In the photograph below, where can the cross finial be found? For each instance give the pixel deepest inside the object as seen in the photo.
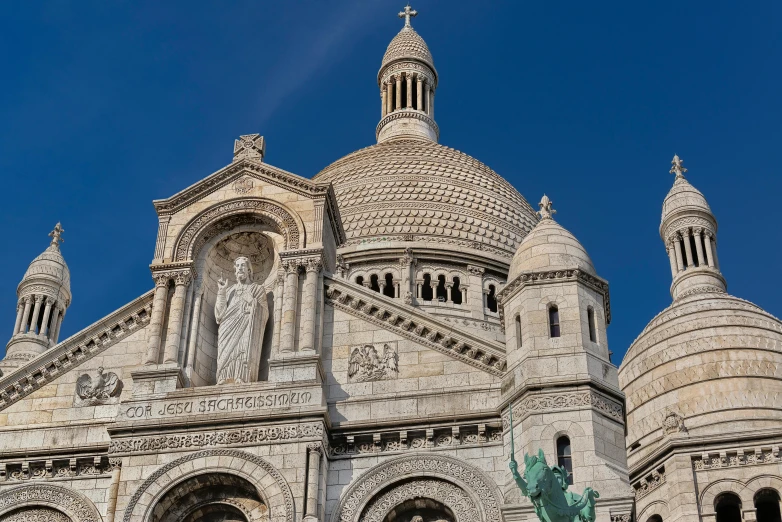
(56, 236)
(407, 14)
(677, 167)
(545, 205)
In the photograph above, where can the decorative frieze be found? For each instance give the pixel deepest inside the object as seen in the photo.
(649, 483)
(536, 404)
(237, 437)
(73, 504)
(88, 467)
(735, 458)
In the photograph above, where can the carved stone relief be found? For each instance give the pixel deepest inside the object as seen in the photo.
(367, 364)
(99, 388)
(450, 495)
(35, 514)
(75, 506)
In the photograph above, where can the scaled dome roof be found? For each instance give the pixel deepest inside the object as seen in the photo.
(407, 44)
(50, 266)
(549, 247)
(421, 188)
(683, 196)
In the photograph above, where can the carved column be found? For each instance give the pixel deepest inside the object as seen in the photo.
(36, 311)
(449, 290)
(156, 321)
(677, 247)
(431, 102)
(191, 346)
(418, 286)
(383, 100)
(55, 321)
(699, 245)
(277, 317)
(709, 252)
(714, 252)
(287, 332)
(28, 301)
(398, 80)
(19, 315)
(174, 334)
(390, 95)
(688, 249)
(672, 257)
(116, 466)
(46, 313)
(56, 335)
(315, 451)
(307, 334)
(419, 102)
(409, 78)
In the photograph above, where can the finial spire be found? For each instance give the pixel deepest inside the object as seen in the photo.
(56, 236)
(407, 14)
(546, 212)
(677, 167)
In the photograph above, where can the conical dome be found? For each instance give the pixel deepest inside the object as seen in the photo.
(683, 197)
(51, 267)
(406, 45)
(549, 246)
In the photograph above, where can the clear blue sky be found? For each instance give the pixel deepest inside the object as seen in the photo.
(106, 106)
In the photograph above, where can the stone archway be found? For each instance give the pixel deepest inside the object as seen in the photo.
(465, 490)
(58, 502)
(274, 498)
(234, 213)
(430, 498)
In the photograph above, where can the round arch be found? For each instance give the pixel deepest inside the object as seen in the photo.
(74, 505)
(395, 474)
(226, 215)
(269, 483)
(658, 507)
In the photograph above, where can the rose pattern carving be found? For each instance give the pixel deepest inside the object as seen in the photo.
(444, 492)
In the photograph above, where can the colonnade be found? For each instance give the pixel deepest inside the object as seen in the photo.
(29, 312)
(681, 254)
(418, 89)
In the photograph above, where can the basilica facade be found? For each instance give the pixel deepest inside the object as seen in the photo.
(350, 348)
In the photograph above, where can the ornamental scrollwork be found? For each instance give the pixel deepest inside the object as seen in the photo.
(450, 495)
(73, 504)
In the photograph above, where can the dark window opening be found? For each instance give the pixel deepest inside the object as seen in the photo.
(728, 508)
(426, 289)
(655, 518)
(442, 293)
(360, 280)
(694, 250)
(389, 290)
(702, 239)
(404, 92)
(518, 331)
(456, 292)
(565, 458)
(767, 505)
(591, 321)
(491, 299)
(373, 283)
(553, 321)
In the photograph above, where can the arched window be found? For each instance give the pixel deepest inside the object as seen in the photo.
(518, 330)
(767, 505)
(373, 283)
(491, 299)
(426, 289)
(553, 321)
(655, 518)
(456, 291)
(591, 321)
(360, 280)
(728, 507)
(564, 457)
(442, 293)
(389, 290)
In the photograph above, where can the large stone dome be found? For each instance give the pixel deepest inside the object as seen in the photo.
(708, 364)
(418, 190)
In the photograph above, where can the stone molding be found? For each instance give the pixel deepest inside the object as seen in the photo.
(206, 224)
(649, 483)
(75, 505)
(80, 347)
(466, 243)
(399, 114)
(471, 480)
(416, 325)
(736, 457)
(544, 403)
(453, 497)
(237, 437)
(135, 511)
(68, 468)
(407, 67)
(524, 279)
(36, 514)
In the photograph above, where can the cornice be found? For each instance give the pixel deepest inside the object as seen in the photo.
(416, 325)
(75, 350)
(408, 113)
(213, 182)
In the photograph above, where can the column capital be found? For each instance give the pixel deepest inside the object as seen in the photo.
(697, 230)
(161, 279)
(50, 301)
(476, 270)
(39, 298)
(315, 447)
(314, 264)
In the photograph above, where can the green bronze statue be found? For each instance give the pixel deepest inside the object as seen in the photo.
(547, 486)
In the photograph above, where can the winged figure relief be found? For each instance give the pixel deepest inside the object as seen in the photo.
(365, 364)
(98, 387)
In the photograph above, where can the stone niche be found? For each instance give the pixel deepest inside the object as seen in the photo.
(261, 245)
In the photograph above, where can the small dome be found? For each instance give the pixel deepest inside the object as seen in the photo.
(549, 247)
(51, 266)
(683, 196)
(408, 44)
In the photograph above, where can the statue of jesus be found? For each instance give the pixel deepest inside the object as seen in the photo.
(241, 312)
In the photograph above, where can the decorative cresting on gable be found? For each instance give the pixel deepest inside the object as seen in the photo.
(78, 348)
(75, 505)
(416, 325)
(227, 215)
(277, 496)
(555, 276)
(473, 482)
